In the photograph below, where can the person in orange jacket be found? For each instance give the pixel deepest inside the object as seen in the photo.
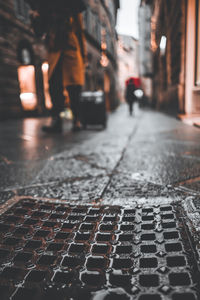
(67, 56)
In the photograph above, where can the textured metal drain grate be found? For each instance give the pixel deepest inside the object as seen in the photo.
(56, 251)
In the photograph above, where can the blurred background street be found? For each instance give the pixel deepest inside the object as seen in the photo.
(148, 148)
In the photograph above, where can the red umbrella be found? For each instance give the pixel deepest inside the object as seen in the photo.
(134, 80)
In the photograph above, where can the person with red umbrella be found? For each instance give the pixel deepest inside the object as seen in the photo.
(61, 23)
(129, 94)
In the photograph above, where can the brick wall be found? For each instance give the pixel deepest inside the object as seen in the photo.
(14, 31)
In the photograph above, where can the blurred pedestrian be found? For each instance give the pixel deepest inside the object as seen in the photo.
(129, 94)
(65, 43)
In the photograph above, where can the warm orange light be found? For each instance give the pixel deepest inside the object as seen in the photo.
(26, 77)
(45, 68)
(154, 45)
(103, 46)
(104, 60)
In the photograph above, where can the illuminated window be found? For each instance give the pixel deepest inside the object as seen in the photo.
(26, 77)
(198, 46)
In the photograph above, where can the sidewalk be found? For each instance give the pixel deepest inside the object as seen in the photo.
(150, 146)
(192, 119)
(100, 214)
(31, 158)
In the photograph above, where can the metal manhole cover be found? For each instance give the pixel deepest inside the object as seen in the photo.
(57, 251)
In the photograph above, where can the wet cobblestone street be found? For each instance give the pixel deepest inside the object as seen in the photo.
(101, 215)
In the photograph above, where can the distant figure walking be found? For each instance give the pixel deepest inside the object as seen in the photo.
(130, 96)
(66, 58)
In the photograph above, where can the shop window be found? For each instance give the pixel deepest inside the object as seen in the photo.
(198, 46)
(22, 10)
(26, 77)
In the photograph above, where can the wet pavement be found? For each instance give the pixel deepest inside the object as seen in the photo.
(141, 179)
(64, 166)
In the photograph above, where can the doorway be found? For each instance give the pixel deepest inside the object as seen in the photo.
(28, 96)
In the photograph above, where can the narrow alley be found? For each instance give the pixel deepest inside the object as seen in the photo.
(99, 150)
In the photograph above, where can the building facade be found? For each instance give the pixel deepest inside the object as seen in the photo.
(168, 39)
(101, 73)
(175, 45)
(23, 66)
(145, 50)
(192, 78)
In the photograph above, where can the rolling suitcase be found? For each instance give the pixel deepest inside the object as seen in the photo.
(93, 108)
